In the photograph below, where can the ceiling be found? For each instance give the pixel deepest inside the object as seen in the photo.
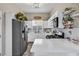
(44, 7)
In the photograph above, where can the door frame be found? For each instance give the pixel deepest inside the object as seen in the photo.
(2, 31)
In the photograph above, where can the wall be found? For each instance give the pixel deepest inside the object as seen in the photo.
(76, 22)
(3, 33)
(10, 10)
(6, 7)
(8, 48)
(0, 32)
(62, 6)
(75, 33)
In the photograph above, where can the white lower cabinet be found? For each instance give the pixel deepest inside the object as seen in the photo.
(32, 36)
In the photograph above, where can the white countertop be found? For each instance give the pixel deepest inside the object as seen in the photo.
(54, 47)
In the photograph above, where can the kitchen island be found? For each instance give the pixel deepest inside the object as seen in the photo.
(54, 47)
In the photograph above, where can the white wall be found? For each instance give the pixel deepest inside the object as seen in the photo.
(10, 10)
(75, 33)
(76, 22)
(62, 6)
(6, 7)
(9, 17)
(0, 32)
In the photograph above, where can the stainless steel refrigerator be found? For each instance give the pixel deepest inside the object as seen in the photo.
(19, 38)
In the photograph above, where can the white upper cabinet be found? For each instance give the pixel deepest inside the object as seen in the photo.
(50, 20)
(29, 24)
(60, 20)
(45, 24)
(58, 14)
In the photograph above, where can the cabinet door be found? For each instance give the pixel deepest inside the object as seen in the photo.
(50, 24)
(29, 24)
(45, 24)
(60, 18)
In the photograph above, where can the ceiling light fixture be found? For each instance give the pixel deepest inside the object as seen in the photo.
(36, 5)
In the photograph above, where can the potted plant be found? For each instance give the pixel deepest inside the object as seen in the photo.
(20, 16)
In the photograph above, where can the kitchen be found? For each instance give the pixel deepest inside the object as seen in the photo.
(56, 31)
(48, 29)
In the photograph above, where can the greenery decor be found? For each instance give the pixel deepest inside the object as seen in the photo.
(67, 9)
(68, 15)
(20, 16)
(69, 18)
